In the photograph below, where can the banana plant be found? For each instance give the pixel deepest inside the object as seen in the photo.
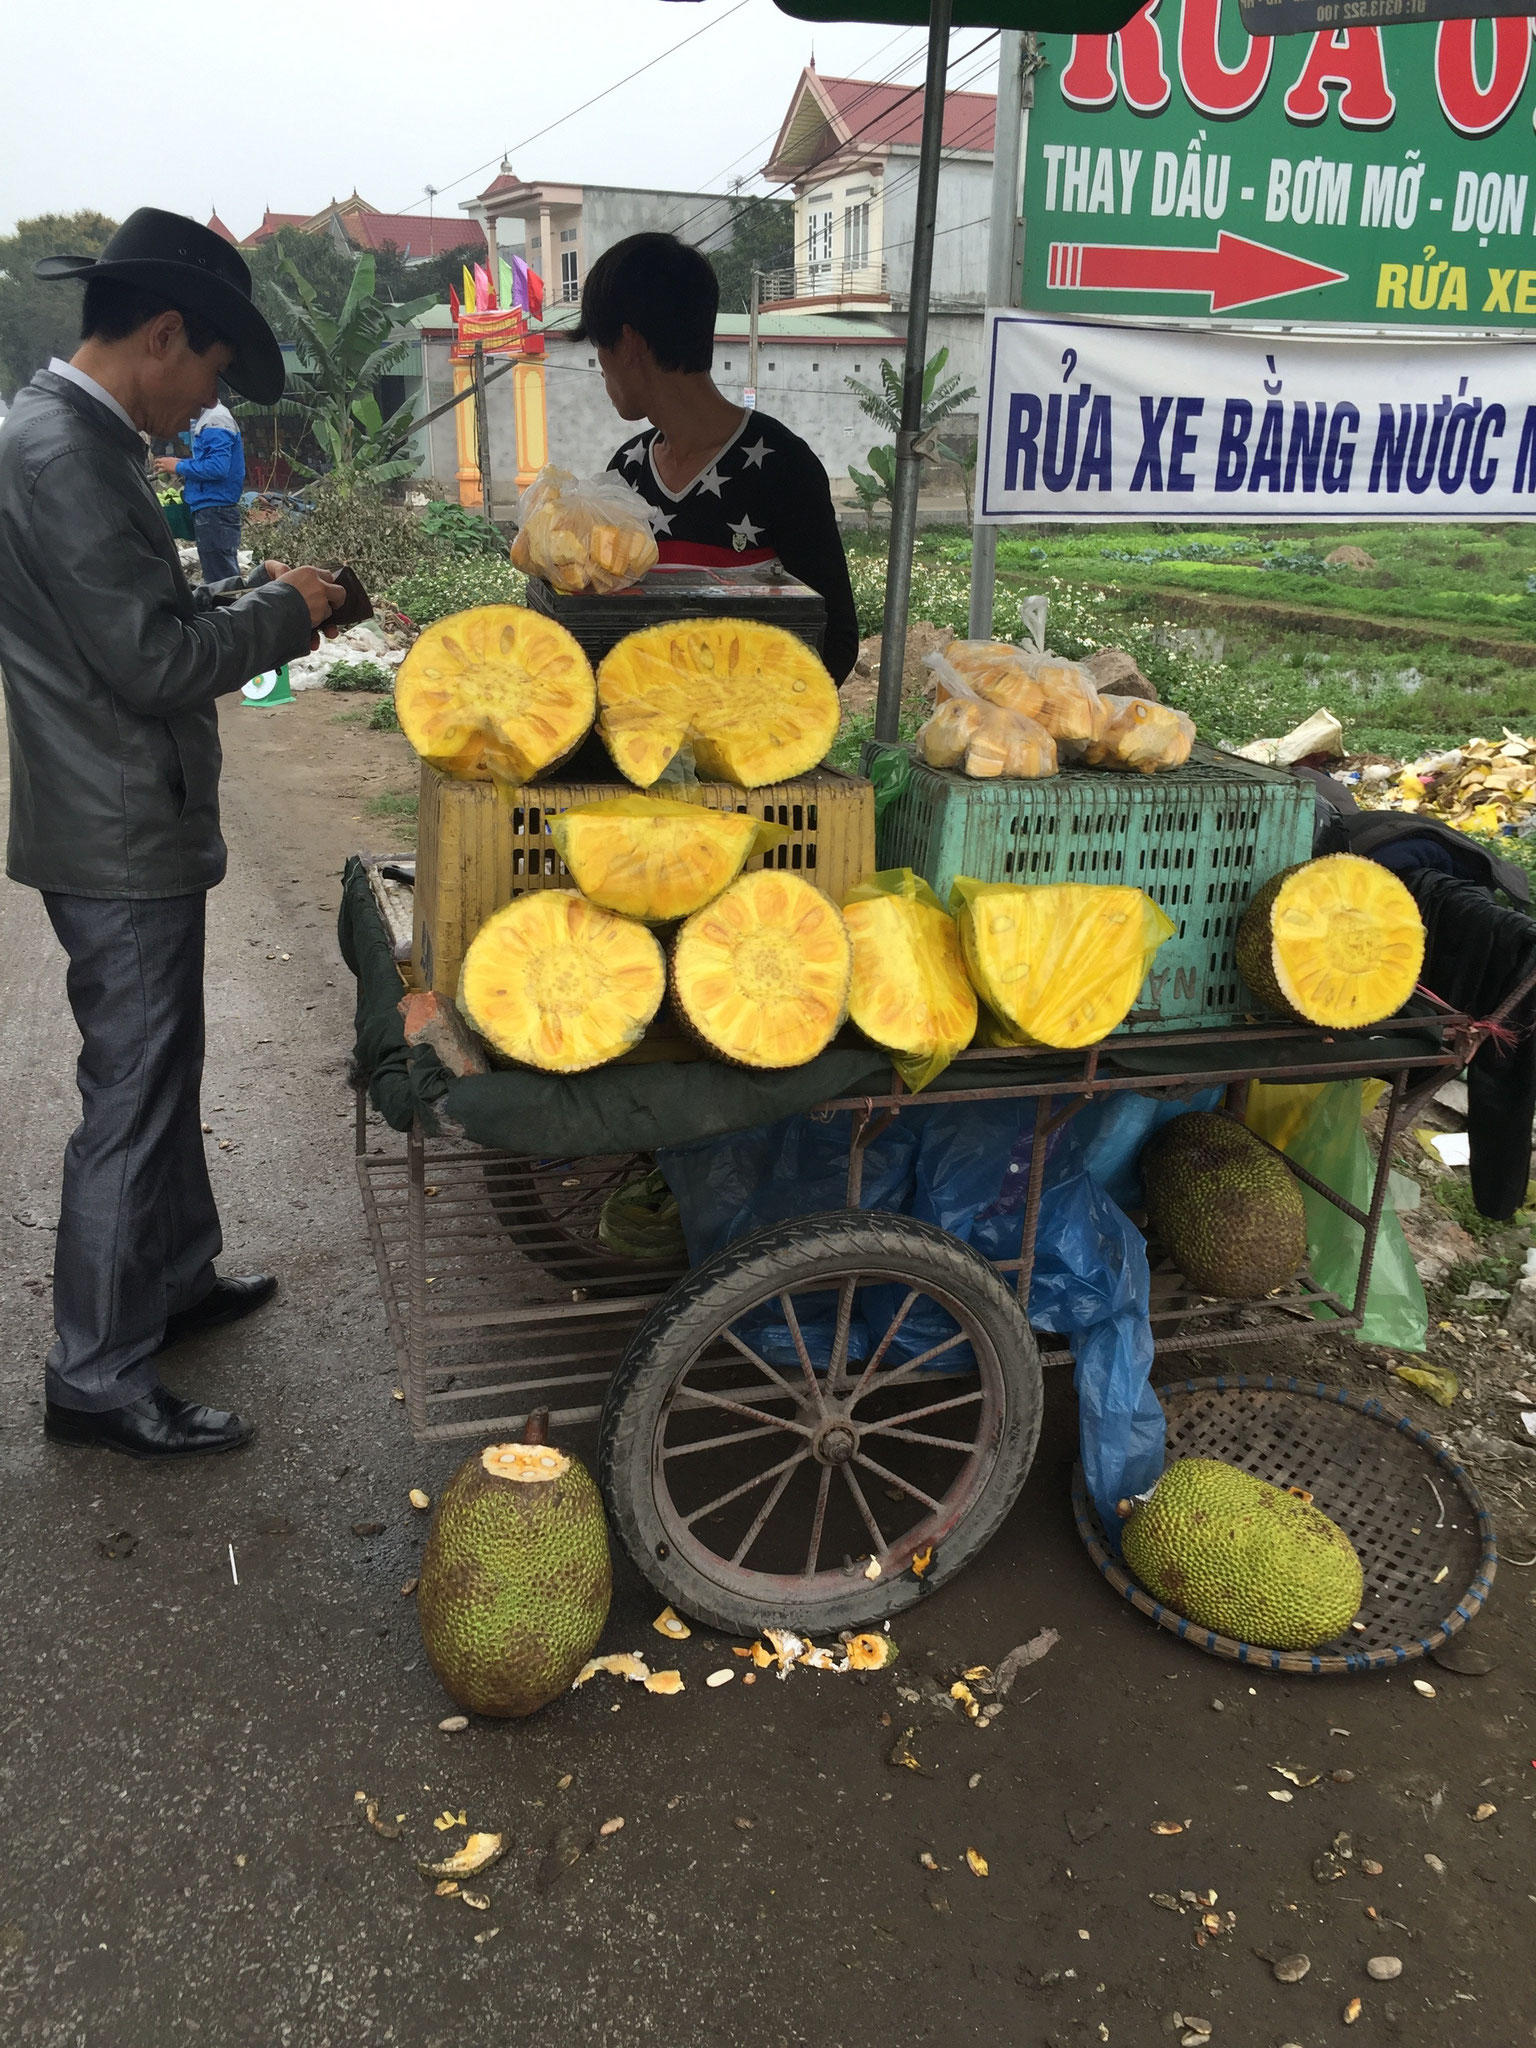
(876, 485)
(341, 360)
(939, 399)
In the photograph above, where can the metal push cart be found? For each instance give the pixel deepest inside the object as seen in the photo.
(833, 1415)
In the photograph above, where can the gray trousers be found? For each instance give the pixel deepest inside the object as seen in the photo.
(138, 1226)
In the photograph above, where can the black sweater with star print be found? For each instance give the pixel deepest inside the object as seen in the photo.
(765, 495)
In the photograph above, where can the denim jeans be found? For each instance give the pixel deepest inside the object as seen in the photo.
(218, 536)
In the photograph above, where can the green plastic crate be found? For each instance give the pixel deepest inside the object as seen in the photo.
(1201, 840)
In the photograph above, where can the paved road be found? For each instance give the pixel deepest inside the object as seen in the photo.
(183, 1859)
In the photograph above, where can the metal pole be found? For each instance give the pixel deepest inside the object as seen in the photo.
(1002, 261)
(757, 286)
(898, 575)
(483, 433)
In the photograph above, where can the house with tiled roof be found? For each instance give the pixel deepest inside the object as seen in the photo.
(354, 225)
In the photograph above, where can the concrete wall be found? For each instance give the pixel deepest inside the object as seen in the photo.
(610, 212)
(962, 230)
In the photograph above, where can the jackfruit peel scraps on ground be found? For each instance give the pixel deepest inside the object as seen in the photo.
(1438, 1382)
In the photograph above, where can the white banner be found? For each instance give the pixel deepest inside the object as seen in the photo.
(1086, 421)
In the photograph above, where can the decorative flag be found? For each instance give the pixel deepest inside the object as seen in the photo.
(485, 291)
(469, 291)
(528, 289)
(453, 305)
(507, 290)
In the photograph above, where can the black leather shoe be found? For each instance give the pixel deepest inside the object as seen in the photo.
(225, 1302)
(157, 1425)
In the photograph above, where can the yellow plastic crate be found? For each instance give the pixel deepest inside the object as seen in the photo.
(475, 850)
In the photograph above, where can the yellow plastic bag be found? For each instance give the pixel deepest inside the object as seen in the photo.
(657, 858)
(589, 536)
(1135, 734)
(1056, 963)
(910, 991)
(1056, 693)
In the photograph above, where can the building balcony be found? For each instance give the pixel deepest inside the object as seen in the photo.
(824, 285)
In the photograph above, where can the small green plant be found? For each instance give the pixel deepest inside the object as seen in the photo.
(357, 675)
(464, 532)
(392, 803)
(433, 591)
(348, 522)
(383, 717)
(875, 485)
(939, 399)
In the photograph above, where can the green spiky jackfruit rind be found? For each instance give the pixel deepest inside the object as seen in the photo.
(1245, 1558)
(514, 1586)
(1226, 1209)
(1255, 947)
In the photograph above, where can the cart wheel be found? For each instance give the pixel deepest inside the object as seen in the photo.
(823, 1395)
(550, 1209)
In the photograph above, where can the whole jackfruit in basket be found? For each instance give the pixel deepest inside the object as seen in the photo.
(983, 741)
(495, 694)
(761, 975)
(657, 858)
(579, 537)
(753, 702)
(1337, 941)
(554, 982)
(1056, 963)
(1135, 734)
(910, 992)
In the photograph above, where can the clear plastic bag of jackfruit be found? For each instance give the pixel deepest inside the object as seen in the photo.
(592, 534)
(982, 740)
(1056, 693)
(1135, 734)
(1055, 963)
(657, 858)
(910, 993)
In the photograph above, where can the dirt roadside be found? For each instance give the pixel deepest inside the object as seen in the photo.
(180, 1753)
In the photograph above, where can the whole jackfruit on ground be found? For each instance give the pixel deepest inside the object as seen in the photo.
(1243, 1557)
(1225, 1208)
(516, 1578)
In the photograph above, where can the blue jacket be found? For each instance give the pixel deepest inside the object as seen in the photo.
(214, 473)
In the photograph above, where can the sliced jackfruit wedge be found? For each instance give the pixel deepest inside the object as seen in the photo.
(1337, 941)
(910, 991)
(1060, 963)
(761, 975)
(556, 983)
(754, 701)
(495, 694)
(653, 857)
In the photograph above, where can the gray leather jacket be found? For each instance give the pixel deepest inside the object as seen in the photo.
(112, 664)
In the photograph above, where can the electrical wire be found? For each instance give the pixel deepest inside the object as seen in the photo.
(607, 91)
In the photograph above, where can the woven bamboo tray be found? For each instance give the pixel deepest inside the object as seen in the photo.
(1368, 1467)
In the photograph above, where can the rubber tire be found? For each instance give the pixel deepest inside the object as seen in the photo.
(766, 1262)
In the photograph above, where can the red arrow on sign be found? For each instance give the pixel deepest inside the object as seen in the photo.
(1236, 272)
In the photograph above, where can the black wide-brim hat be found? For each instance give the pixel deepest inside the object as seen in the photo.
(198, 272)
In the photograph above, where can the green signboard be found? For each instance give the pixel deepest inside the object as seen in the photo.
(1182, 169)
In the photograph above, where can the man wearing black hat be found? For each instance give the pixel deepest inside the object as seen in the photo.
(113, 668)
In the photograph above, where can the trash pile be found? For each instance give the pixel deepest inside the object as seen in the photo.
(1487, 786)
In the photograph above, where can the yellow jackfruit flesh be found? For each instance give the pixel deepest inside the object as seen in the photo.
(1131, 733)
(1337, 942)
(754, 702)
(762, 974)
(910, 991)
(653, 857)
(1057, 963)
(556, 983)
(495, 694)
(1245, 1558)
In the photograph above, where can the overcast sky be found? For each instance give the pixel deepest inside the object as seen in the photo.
(112, 106)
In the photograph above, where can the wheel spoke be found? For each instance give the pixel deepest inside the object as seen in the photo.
(716, 1443)
(920, 1414)
(864, 1508)
(762, 1364)
(884, 1345)
(816, 1525)
(916, 1436)
(840, 1336)
(743, 1548)
(747, 1486)
(895, 1479)
(740, 1408)
(787, 1310)
(912, 1365)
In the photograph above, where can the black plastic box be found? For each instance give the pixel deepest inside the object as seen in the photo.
(758, 593)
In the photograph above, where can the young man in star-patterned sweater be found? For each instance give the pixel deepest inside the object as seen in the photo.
(730, 485)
